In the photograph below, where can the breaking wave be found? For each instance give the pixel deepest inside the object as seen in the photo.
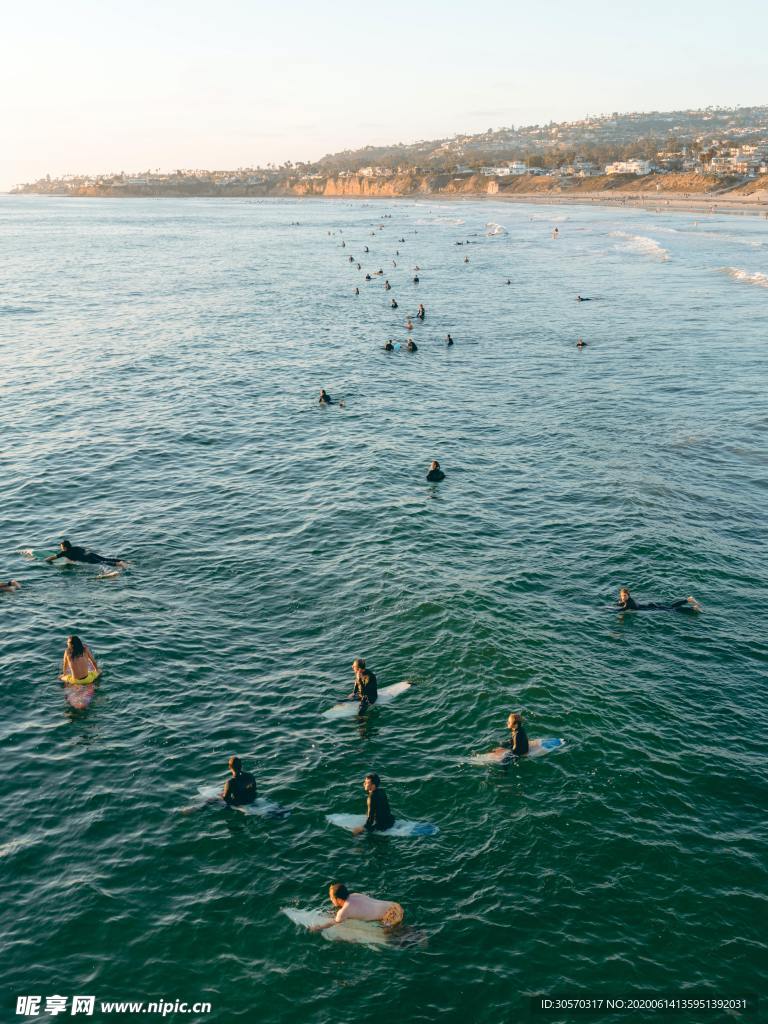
(642, 245)
(495, 229)
(755, 277)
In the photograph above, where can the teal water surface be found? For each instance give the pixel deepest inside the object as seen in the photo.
(161, 362)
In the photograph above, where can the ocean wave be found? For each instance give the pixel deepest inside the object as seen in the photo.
(424, 221)
(754, 277)
(642, 245)
(495, 229)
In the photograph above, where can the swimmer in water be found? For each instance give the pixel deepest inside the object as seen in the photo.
(368, 277)
(357, 291)
(435, 474)
(448, 340)
(10, 585)
(379, 817)
(556, 232)
(355, 906)
(78, 666)
(359, 266)
(581, 343)
(581, 298)
(387, 286)
(366, 689)
(416, 280)
(325, 399)
(508, 281)
(240, 789)
(466, 259)
(77, 554)
(351, 259)
(365, 248)
(389, 347)
(393, 304)
(409, 324)
(412, 346)
(627, 603)
(422, 312)
(518, 739)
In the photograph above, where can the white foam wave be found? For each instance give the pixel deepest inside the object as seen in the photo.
(755, 277)
(495, 229)
(642, 245)
(424, 221)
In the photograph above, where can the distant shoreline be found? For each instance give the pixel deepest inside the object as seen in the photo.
(755, 204)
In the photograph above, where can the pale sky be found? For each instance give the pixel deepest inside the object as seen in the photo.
(110, 86)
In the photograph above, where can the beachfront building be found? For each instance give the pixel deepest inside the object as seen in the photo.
(639, 167)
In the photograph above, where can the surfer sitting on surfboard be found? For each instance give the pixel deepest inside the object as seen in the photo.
(241, 788)
(78, 665)
(366, 687)
(627, 603)
(77, 554)
(518, 738)
(380, 817)
(354, 906)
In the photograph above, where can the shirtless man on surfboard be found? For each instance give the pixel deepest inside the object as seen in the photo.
(354, 906)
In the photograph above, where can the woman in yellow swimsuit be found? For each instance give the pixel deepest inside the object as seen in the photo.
(79, 671)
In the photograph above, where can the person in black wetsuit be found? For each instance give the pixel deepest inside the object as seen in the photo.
(387, 286)
(518, 739)
(393, 304)
(325, 398)
(435, 474)
(421, 314)
(581, 343)
(627, 603)
(78, 554)
(416, 280)
(389, 347)
(580, 298)
(241, 788)
(366, 687)
(380, 817)
(448, 340)
(412, 346)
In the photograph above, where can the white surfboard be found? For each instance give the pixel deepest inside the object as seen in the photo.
(261, 807)
(401, 829)
(368, 933)
(535, 749)
(350, 708)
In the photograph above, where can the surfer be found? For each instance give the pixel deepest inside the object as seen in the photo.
(389, 347)
(411, 346)
(421, 312)
(582, 298)
(518, 739)
(627, 603)
(508, 281)
(387, 286)
(357, 291)
(380, 817)
(416, 280)
(435, 474)
(78, 664)
(366, 686)
(354, 906)
(368, 277)
(581, 343)
(466, 259)
(393, 304)
(325, 399)
(241, 788)
(77, 554)
(10, 585)
(448, 340)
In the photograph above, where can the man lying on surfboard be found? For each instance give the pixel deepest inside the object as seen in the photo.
(354, 906)
(627, 603)
(241, 788)
(380, 817)
(77, 554)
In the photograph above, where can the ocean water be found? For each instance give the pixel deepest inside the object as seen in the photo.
(160, 363)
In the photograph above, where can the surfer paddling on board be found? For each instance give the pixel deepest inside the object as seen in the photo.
(73, 553)
(380, 817)
(366, 687)
(10, 585)
(627, 603)
(240, 789)
(354, 906)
